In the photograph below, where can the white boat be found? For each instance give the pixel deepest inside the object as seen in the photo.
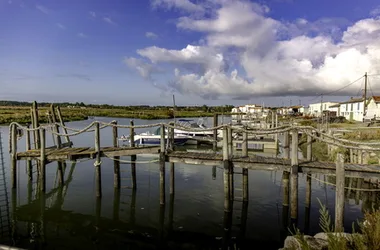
(148, 138)
(195, 137)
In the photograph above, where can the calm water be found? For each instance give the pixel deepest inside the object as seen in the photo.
(72, 218)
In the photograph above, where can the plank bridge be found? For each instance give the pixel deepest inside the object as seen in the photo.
(356, 165)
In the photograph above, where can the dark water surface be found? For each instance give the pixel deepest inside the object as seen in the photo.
(193, 218)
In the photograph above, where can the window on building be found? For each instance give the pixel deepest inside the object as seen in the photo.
(352, 107)
(358, 106)
(346, 106)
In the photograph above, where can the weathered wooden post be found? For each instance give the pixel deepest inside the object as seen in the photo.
(28, 147)
(244, 146)
(35, 124)
(116, 162)
(226, 166)
(43, 158)
(215, 137)
(98, 161)
(230, 143)
(67, 138)
(13, 136)
(172, 178)
(162, 166)
(294, 177)
(55, 126)
(285, 203)
(61, 175)
(360, 157)
(308, 202)
(309, 148)
(214, 172)
(339, 193)
(273, 119)
(286, 145)
(133, 157)
(365, 157)
(351, 155)
(357, 192)
(231, 166)
(132, 134)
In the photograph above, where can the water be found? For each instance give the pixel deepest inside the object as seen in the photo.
(194, 218)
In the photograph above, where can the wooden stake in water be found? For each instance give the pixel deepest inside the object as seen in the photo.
(244, 149)
(14, 155)
(215, 136)
(43, 158)
(116, 162)
(98, 162)
(286, 145)
(339, 193)
(309, 148)
(294, 177)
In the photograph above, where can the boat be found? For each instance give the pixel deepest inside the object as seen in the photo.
(149, 138)
(195, 137)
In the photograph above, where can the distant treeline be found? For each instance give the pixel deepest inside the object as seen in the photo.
(204, 108)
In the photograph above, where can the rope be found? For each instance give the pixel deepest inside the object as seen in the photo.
(96, 163)
(350, 188)
(138, 162)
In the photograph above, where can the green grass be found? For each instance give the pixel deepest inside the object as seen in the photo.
(22, 114)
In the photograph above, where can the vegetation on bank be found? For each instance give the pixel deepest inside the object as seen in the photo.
(367, 238)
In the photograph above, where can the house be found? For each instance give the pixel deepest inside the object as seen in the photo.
(352, 109)
(316, 109)
(373, 107)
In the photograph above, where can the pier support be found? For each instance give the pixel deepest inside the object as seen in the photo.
(29, 166)
(285, 204)
(55, 126)
(35, 124)
(133, 157)
(98, 178)
(309, 148)
(162, 166)
(230, 145)
(286, 145)
(215, 136)
(132, 134)
(172, 178)
(339, 193)
(226, 167)
(245, 185)
(294, 178)
(307, 203)
(43, 159)
(244, 147)
(116, 162)
(13, 151)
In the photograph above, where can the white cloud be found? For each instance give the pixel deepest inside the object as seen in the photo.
(185, 5)
(151, 35)
(81, 35)
(108, 20)
(92, 14)
(247, 54)
(61, 26)
(143, 68)
(375, 12)
(43, 9)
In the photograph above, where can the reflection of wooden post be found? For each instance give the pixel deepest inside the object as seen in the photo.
(116, 162)
(339, 193)
(98, 163)
(13, 136)
(162, 166)
(161, 222)
(61, 173)
(215, 137)
(132, 217)
(357, 192)
(307, 203)
(214, 172)
(172, 178)
(286, 145)
(171, 213)
(98, 210)
(42, 216)
(43, 158)
(244, 216)
(116, 203)
(245, 184)
(13, 215)
(226, 166)
(227, 223)
(294, 177)
(285, 204)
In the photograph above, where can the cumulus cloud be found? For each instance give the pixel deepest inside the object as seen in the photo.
(185, 5)
(245, 53)
(151, 35)
(143, 68)
(43, 9)
(375, 12)
(108, 20)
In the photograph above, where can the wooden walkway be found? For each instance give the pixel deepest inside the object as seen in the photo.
(86, 152)
(200, 158)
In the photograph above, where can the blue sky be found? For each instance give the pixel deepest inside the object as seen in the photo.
(205, 52)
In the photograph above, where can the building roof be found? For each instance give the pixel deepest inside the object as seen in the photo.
(376, 98)
(335, 105)
(353, 100)
(296, 107)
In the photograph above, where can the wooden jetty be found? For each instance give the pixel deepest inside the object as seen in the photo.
(229, 158)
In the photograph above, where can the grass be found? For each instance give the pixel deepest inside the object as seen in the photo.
(368, 239)
(363, 135)
(10, 114)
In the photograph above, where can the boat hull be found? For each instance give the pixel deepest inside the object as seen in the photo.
(157, 141)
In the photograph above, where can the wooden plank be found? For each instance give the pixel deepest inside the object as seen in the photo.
(131, 151)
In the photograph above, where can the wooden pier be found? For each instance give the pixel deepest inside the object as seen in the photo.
(229, 158)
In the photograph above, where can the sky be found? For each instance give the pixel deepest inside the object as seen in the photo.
(213, 52)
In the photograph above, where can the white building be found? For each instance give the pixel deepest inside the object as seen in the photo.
(373, 107)
(353, 109)
(248, 108)
(316, 109)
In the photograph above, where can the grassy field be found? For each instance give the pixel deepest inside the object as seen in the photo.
(10, 114)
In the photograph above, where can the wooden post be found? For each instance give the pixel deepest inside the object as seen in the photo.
(116, 162)
(309, 148)
(171, 136)
(215, 137)
(244, 148)
(339, 193)
(132, 134)
(162, 139)
(67, 138)
(286, 145)
(285, 187)
(97, 164)
(245, 184)
(294, 177)
(28, 147)
(273, 118)
(35, 124)
(13, 136)
(226, 167)
(351, 155)
(214, 172)
(162, 178)
(55, 126)
(172, 178)
(360, 157)
(43, 158)
(230, 143)
(133, 172)
(61, 174)
(365, 157)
